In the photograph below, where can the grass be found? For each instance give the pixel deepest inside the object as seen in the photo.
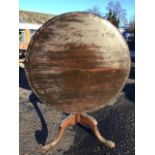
(34, 17)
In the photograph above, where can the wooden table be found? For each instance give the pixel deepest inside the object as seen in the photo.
(77, 63)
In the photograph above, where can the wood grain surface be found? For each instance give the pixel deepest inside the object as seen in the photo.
(77, 62)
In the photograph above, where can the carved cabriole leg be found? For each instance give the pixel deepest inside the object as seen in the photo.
(82, 119)
(70, 120)
(86, 119)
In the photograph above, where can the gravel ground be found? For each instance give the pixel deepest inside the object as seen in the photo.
(39, 125)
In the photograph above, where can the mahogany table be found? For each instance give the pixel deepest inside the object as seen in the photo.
(77, 62)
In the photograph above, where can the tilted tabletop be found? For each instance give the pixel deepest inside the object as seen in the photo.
(77, 62)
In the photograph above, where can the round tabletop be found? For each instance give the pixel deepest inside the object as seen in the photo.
(77, 62)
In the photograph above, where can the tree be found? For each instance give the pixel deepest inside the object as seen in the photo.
(112, 17)
(118, 13)
(95, 10)
(131, 25)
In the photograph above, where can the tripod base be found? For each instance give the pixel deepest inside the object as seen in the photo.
(73, 119)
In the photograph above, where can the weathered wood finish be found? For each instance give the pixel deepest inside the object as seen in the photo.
(77, 62)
